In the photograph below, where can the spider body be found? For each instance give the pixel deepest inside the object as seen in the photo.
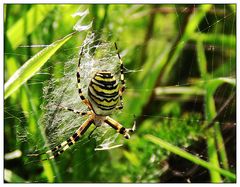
(104, 97)
(103, 92)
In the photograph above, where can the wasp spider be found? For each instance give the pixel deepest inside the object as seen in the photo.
(104, 96)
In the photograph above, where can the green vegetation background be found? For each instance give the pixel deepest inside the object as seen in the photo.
(185, 57)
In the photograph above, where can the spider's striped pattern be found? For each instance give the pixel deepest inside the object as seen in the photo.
(104, 97)
(103, 92)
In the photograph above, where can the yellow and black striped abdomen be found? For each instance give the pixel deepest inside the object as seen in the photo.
(103, 92)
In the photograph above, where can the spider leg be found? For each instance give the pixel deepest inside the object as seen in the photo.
(121, 101)
(84, 100)
(119, 128)
(58, 150)
(123, 87)
(121, 70)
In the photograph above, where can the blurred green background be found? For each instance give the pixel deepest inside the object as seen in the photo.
(181, 92)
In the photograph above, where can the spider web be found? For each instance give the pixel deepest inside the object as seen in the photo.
(60, 124)
(62, 90)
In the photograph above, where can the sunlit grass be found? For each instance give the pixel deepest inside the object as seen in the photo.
(170, 109)
(31, 67)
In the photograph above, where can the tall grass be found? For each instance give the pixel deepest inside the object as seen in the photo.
(177, 57)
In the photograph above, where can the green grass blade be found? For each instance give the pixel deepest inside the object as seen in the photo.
(221, 146)
(202, 61)
(30, 67)
(213, 157)
(184, 90)
(192, 25)
(210, 112)
(228, 41)
(188, 156)
(213, 84)
(27, 24)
